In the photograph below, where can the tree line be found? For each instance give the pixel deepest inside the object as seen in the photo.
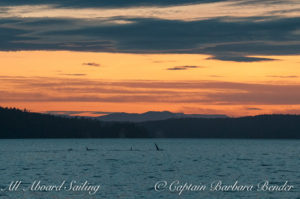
(15, 123)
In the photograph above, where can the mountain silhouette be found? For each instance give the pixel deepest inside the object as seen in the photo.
(152, 116)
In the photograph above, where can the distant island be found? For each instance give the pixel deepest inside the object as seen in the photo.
(15, 123)
(254, 127)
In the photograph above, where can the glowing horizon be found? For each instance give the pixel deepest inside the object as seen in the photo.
(44, 81)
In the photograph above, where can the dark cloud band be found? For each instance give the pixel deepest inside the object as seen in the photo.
(224, 38)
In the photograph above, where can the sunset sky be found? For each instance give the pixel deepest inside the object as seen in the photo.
(194, 56)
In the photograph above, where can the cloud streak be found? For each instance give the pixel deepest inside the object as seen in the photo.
(185, 12)
(91, 64)
(283, 76)
(253, 109)
(183, 67)
(74, 74)
(36, 89)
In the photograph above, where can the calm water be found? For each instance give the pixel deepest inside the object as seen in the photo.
(125, 173)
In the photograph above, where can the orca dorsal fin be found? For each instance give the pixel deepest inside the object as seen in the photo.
(157, 148)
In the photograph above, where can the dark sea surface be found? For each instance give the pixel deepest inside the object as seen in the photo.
(134, 169)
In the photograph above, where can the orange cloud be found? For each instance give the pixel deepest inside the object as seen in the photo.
(165, 93)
